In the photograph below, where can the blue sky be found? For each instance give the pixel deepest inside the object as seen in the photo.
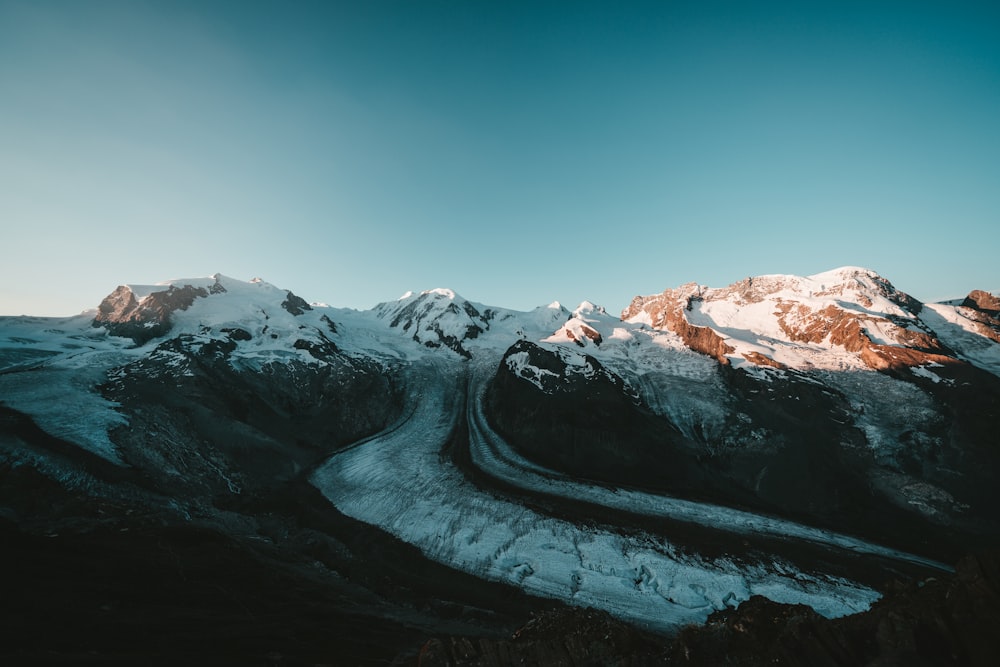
(515, 152)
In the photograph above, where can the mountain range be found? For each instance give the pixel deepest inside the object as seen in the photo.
(439, 467)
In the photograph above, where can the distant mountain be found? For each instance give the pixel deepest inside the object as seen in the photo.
(708, 445)
(846, 318)
(788, 415)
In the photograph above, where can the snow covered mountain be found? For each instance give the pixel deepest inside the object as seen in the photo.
(843, 319)
(782, 409)
(708, 445)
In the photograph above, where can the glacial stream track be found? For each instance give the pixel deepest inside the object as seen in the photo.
(398, 481)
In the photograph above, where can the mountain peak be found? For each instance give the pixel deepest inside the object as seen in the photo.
(442, 291)
(844, 273)
(588, 308)
(851, 313)
(435, 318)
(438, 293)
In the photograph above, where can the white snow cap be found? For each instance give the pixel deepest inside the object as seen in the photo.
(441, 291)
(587, 307)
(844, 272)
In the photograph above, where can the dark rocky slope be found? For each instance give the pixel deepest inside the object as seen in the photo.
(208, 428)
(952, 620)
(791, 447)
(587, 424)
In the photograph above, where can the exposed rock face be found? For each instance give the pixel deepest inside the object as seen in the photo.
(983, 308)
(222, 431)
(143, 320)
(849, 330)
(585, 333)
(844, 328)
(666, 311)
(984, 302)
(759, 359)
(580, 418)
(295, 305)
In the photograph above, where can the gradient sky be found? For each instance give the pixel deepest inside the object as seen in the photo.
(515, 152)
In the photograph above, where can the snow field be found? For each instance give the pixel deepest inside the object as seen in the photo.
(963, 335)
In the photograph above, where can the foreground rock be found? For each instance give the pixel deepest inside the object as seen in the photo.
(948, 621)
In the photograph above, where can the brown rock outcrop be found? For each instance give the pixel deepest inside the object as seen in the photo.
(759, 359)
(843, 328)
(666, 311)
(894, 357)
(983, 309)
(142, 320)
(588, 332)
(849, 330)
(983, 302)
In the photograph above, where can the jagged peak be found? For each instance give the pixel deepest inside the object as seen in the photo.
(987, 302)
(589, 308)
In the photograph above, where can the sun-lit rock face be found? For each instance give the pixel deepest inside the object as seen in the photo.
(145, 312)
(667, 311)
(146, 317)
(984, 302)
(982, 311)
(582, 326)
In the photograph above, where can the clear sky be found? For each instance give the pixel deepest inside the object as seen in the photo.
(516, 152)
